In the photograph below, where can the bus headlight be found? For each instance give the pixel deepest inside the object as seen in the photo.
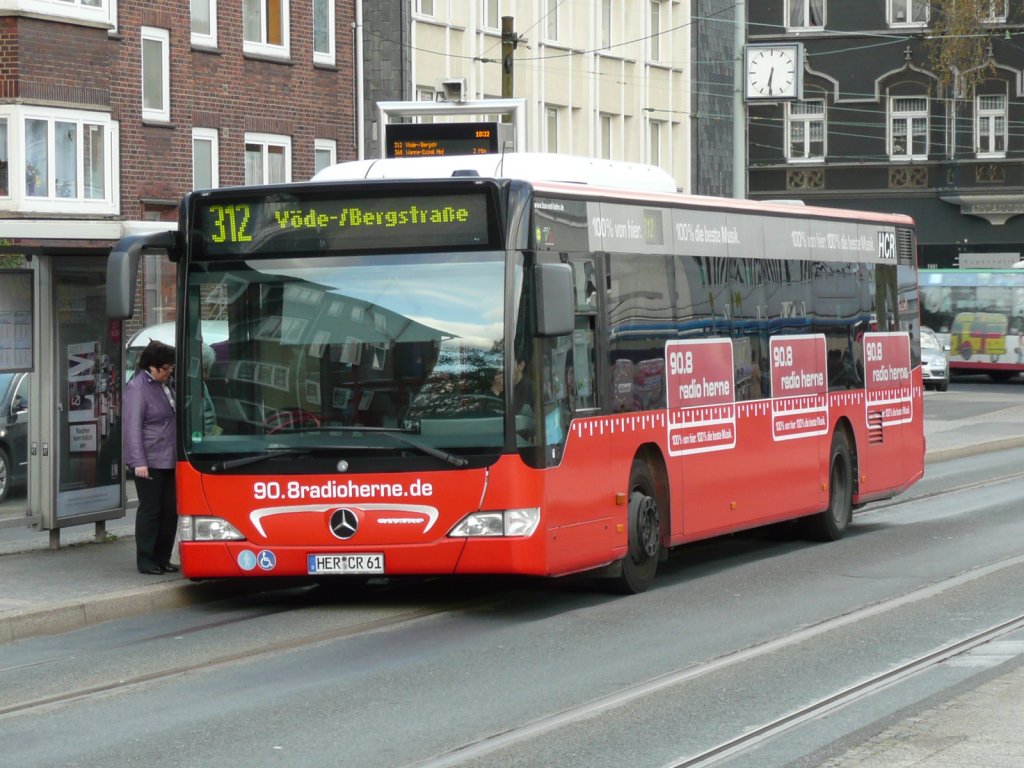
(509, 522)
(207, 529)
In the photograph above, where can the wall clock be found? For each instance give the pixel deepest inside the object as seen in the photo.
(774, 71)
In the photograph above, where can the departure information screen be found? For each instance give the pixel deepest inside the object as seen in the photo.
(439, 139)
(281, 222)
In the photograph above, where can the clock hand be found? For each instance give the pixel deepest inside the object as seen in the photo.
(771, 74)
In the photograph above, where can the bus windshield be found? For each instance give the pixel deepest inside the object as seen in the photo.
(377, 353)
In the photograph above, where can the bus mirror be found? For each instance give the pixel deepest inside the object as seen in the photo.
(123, 270)
(554, 299)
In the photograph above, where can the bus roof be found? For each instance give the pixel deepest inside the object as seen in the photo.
(572, 174)
(528, 166)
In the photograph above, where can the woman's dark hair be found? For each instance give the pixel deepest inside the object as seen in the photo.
(156, 355)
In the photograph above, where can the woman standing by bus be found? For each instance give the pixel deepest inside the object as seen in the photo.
(149, 455)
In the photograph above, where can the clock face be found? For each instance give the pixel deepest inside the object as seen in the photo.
(772, 72)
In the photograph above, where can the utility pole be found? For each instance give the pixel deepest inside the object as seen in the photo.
(739, 111)
(509, 41)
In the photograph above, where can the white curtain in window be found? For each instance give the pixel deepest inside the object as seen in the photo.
(5, 189)
(276, 165)
(152, 74)
(806, 13)
(201, 17)
(202, 163)
(251, 21)
(37, 170)
(321, 26)
(65, 159)
(253, 164)
(94, 157)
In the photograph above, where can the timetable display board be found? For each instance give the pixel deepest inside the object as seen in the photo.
(16, 320)
(440, 139)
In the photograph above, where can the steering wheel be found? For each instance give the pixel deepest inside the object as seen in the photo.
(293, 418)
(476, 403)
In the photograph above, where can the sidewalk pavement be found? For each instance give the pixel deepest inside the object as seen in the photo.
(44, 591)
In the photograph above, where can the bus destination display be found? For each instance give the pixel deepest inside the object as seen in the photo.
(274, 223)
(439, 139)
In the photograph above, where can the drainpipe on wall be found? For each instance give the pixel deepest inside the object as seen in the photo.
(360, 129)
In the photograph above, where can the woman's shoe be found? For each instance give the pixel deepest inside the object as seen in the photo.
(155, 570)
(169, 568)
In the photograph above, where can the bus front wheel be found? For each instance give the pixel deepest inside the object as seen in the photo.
(644, 529)
(831, 524)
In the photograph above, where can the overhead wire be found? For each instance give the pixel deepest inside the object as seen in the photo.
(706, 88)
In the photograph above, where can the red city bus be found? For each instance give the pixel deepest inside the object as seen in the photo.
(978, 314)
(452, 367)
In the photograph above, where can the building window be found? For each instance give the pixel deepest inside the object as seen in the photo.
(204, 23)
(87, 10)
(551, 128)
(156, 75)
(268, 159)
(323, 31)
(908, 12)
(996, 12)
(654, 150)
(5, 189)
(325, 154)
(605, 128)
(265, 27)
(551, 19)
(908, 128)
(425, 7)
(425, 94)
(79, 158)
(990, 126)
(205, 159)
(655, 30)
(805, 13)
(606, 23)
(56, 160)
(489, 14)
(806, 130)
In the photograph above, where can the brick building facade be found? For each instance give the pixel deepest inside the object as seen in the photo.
(110, 111)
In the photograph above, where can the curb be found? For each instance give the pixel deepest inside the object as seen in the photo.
(946, 454)
(83, 612)
(87, 611)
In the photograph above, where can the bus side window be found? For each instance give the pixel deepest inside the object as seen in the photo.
(582, 375)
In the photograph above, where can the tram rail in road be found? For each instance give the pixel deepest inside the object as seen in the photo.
(776, 726)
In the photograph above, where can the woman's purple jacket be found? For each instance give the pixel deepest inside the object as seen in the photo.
(148, 424)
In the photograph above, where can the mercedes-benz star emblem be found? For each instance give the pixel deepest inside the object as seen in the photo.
(344, 523)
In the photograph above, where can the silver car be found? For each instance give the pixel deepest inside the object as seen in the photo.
(934, 362)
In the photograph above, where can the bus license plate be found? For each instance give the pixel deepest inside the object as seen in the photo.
(356, 562)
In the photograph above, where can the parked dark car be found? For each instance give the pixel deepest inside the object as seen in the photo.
(13, 431)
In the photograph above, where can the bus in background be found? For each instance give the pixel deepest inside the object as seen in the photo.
(979, 314)
(524, 364)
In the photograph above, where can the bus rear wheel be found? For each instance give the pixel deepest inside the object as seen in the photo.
(644, 529)
(831, 524)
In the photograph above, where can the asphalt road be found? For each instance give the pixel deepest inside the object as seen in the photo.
(737, 633)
